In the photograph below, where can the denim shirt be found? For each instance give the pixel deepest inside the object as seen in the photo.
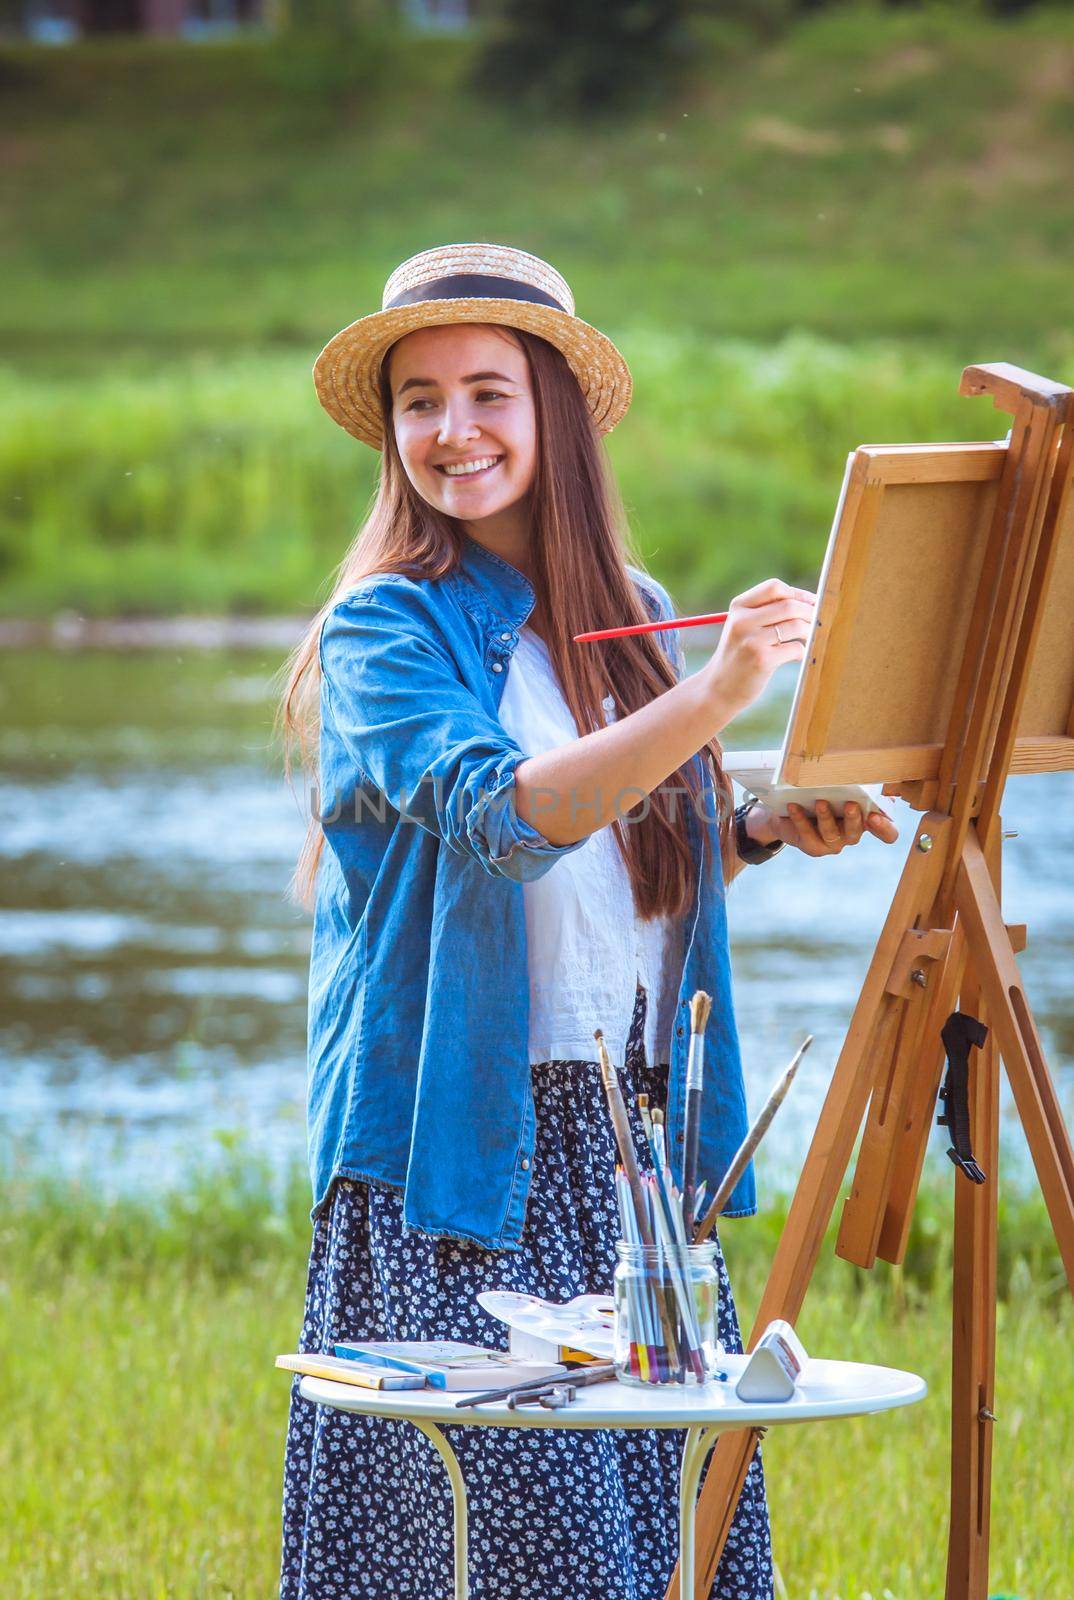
(419, 1073)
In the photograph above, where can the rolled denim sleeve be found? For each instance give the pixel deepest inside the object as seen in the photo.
(414, 729)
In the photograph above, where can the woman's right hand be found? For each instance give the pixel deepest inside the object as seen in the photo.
(749, 651)
(588, 779)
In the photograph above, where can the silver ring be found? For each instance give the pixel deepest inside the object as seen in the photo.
(779, 636)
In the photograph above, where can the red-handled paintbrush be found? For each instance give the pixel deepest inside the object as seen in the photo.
(650, 627)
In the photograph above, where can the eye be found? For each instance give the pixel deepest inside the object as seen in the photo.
(494, 393)
(418, 402)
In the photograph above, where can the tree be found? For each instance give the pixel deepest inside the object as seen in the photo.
(584, 57)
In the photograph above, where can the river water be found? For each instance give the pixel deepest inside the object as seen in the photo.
(153, 971)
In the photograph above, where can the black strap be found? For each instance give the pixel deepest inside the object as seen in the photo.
(747, 849)
(473, 286)
(959, 1034)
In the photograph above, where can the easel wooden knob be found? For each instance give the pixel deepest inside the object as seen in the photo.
(919, 948)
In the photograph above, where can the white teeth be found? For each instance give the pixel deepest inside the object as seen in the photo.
(464, 468)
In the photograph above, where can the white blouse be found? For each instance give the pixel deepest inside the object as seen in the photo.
(587, 947)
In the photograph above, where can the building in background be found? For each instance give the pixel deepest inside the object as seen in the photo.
(61, 21)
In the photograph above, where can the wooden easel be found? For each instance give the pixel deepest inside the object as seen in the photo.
(994, 694)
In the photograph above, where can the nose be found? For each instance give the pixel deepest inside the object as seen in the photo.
(458, 425)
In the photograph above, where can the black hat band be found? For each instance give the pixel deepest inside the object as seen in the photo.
(473, 286)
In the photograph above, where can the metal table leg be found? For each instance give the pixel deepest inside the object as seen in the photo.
(458, 1496)
(699, 1441)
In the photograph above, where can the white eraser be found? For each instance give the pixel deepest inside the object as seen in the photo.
(775, 1366)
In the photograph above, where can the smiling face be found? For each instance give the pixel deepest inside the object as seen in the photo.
(464, 419)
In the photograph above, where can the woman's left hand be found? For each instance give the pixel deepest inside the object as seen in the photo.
(823, 835)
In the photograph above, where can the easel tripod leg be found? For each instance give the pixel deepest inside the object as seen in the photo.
(973, 1328)
(1019, 1044)
(818, 1187)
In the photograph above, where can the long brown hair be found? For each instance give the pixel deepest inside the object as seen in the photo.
(581, 545)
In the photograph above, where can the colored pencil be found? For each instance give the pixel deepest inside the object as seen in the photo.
(680, 1284)
(624, 1224)
(665, 1287)
(668, 1212)
(712, 618)
(639, 1330)
(657, 1332)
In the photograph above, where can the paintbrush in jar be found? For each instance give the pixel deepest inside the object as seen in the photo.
(628, 1156)
(623, 1136)
(700, 1010)
(662, 1268)
(748, 1147)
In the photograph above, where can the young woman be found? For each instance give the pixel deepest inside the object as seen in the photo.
(518, 839)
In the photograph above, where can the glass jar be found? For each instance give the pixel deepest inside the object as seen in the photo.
(666, 1304)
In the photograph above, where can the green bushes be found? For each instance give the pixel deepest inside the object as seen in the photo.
(222, 486)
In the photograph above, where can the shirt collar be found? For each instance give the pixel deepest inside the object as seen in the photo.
(505, 590)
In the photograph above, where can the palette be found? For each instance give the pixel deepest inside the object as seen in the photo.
(574, 1330)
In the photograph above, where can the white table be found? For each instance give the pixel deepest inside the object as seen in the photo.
(826, 1389)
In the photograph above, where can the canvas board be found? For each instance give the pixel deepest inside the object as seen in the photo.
(897, 589)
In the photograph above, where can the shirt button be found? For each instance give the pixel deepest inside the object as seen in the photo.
(680, 1138)
(678, 1029)
(506, 637)
(497, 666)
(525, 1163)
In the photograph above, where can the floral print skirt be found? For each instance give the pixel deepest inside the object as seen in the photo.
(554, 1515)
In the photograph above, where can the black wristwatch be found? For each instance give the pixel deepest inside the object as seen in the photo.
(748, 849)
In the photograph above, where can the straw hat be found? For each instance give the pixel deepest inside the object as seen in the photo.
(467, 283)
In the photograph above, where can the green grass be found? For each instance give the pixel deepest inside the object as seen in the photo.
(142, 1449)
(797, 251)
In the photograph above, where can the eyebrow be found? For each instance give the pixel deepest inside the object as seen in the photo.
(475, 377)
